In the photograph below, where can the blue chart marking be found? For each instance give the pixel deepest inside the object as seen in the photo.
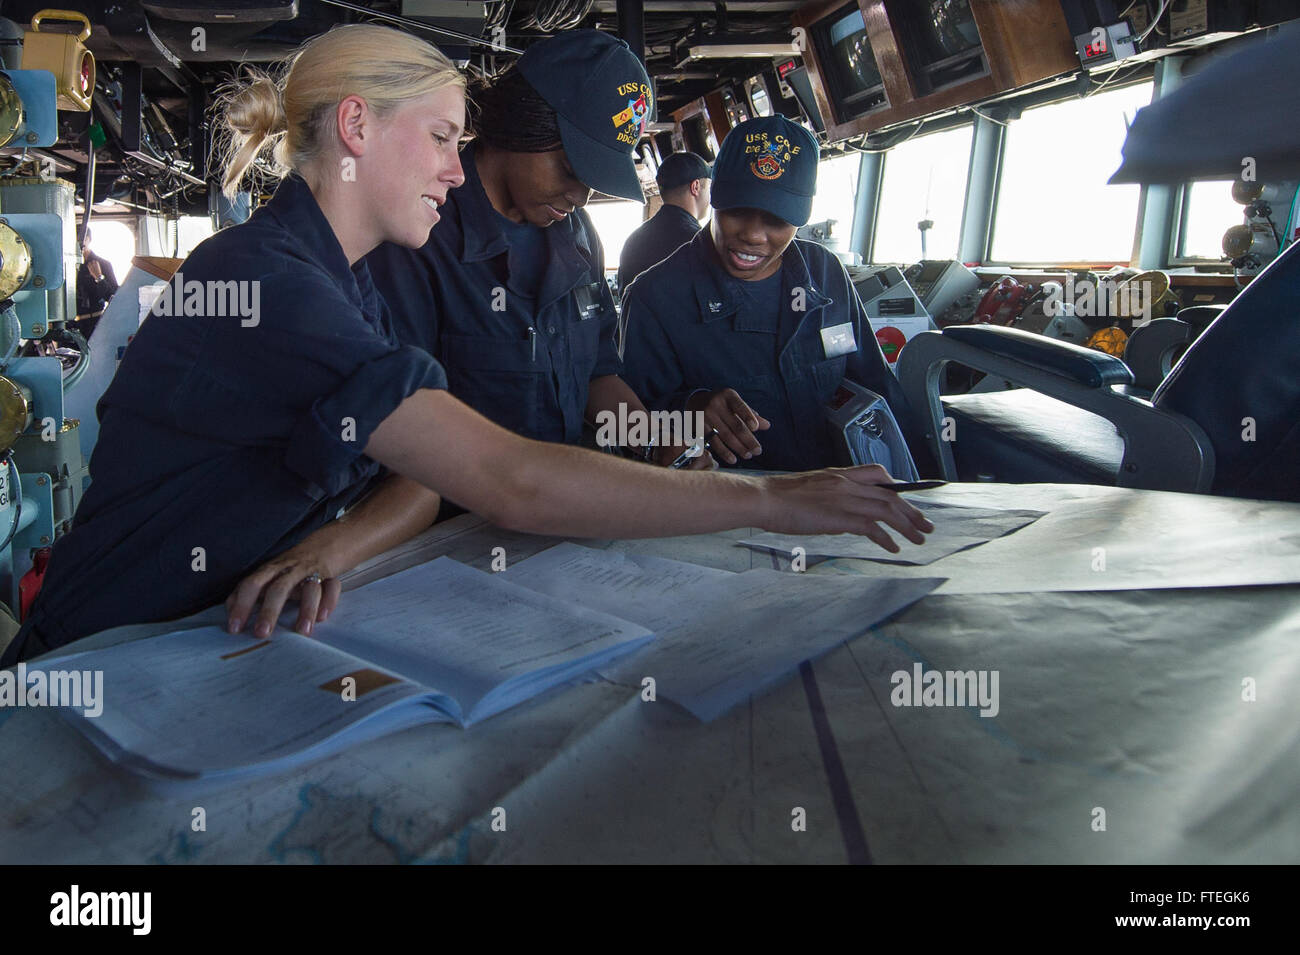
(305, 836)
(179, 849)
(307, 798)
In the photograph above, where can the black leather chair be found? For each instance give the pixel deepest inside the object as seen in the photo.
(1226, 420)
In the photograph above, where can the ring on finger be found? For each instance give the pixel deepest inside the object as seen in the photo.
(312, 579)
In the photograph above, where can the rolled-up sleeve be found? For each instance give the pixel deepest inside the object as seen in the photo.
(313, 376)
(334, 431)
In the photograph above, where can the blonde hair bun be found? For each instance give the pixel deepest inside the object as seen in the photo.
(292, 112)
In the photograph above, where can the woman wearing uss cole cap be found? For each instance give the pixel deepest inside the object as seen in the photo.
(749, 325)
(509, 291)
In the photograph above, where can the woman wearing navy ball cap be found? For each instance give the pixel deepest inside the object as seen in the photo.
(749, 325)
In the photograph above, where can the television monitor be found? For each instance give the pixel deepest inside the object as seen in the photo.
(848, 66)
(940, 41)
(801, 84)
(697, 137)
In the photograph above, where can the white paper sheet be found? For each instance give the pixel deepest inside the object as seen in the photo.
(721, 636)
(956, 528)
(1105, 538)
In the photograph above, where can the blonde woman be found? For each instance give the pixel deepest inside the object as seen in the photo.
(266, 449)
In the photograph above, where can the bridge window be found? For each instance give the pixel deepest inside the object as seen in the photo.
(924, 178)
(1208, 211)
(837, 184)
(614, 222)
(1053, 201)
(113, 240)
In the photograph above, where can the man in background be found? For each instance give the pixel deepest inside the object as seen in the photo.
(96, 284)
(684, 187)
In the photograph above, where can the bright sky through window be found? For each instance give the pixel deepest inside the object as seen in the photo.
(1053, 201)
(924, 178)
(837, 185)
(614, 222)
(1209, 212)
(114, 241)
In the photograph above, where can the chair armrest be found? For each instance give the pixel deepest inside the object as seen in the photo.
(1162, 450)
(1092, 369)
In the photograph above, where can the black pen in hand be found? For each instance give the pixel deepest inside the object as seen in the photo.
(900, 486)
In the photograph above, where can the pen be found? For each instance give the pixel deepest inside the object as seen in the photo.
(532, 338)
(694, 451)
(900, 486)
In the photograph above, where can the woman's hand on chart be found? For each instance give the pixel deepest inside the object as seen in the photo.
(298, 574)
(844, 501)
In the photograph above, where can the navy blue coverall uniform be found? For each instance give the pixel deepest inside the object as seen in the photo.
(521, 356)
(654, 240)
(690, 326)
(221, 434)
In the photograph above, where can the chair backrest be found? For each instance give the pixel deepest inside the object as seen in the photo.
(1240, 381)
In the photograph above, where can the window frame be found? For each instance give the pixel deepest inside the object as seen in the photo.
(884, 171)
(1178, 235)
(1134, 235)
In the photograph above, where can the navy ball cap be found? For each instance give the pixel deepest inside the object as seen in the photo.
(681, 168)
(601, 94)
(767, 163)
